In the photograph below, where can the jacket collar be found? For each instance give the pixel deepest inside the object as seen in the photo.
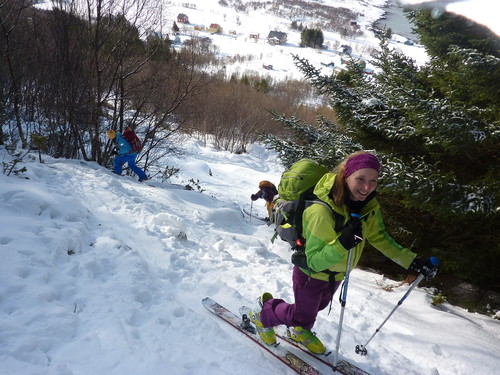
(324, 187)
(357, 206)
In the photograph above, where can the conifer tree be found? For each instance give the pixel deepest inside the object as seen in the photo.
(311, 38)
(439, 149)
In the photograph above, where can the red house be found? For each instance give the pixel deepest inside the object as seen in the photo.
(182, 18)
(215, 28)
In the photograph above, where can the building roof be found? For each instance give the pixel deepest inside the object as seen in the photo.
(276, 34)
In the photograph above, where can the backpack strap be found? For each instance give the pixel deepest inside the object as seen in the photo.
(339, 219)
(299, 257)
(302, 205)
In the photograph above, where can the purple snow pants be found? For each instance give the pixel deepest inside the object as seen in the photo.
(311, 296)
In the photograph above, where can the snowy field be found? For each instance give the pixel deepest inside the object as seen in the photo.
(101, 274)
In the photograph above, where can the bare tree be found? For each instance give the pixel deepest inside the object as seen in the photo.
(11, 16)
(165, 87)
(134, 79)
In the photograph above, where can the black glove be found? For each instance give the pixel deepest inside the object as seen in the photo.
(351, 234)
(426, 267)
(254, 197)
(115, 151)
(299, 259)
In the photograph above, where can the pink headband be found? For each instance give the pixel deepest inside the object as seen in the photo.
(355, 163)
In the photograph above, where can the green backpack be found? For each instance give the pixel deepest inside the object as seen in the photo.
(295, 190)
(300, 178)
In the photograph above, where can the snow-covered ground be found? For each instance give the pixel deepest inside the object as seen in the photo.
(101, 274)
(258, 55)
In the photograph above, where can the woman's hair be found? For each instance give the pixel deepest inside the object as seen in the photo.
(340, 186)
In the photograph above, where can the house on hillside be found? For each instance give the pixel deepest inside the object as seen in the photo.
(354, 25)
(358, 63)
(214, 28)
(182, 18)
(276, 37)
(255, 37)
(345, 49)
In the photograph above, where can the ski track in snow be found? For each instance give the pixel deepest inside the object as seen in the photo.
(101, 274)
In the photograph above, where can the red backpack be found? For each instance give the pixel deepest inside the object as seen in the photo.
(133, 139)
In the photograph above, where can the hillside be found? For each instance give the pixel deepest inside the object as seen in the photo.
(240, 53)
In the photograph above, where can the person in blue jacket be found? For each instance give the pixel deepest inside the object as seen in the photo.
(125, 155)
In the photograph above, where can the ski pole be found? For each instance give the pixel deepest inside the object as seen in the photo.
(343, 299)
(251, 208)
(361, 349)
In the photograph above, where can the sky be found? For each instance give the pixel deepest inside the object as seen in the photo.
(484, 12)
(101, 274)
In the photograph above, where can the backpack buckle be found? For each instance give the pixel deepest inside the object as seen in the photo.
(300, 242)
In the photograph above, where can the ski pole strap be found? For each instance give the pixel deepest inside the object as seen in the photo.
(331, 283)
(341, 294)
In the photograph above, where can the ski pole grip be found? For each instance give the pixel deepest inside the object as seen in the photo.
(357, 238)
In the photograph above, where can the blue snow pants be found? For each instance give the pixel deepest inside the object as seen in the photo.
(130, 160)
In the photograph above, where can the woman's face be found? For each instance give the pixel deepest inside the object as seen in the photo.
(361, 183)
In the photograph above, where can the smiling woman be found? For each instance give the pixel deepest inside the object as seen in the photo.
(350, 193)
(361, 184)
(361, 176)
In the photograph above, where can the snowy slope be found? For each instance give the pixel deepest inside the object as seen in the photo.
(100, 274)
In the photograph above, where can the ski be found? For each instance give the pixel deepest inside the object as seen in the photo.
(243, 325)
(343, 367)
(264, 219)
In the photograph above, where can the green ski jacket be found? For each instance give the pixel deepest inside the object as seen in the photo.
(324, 251)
